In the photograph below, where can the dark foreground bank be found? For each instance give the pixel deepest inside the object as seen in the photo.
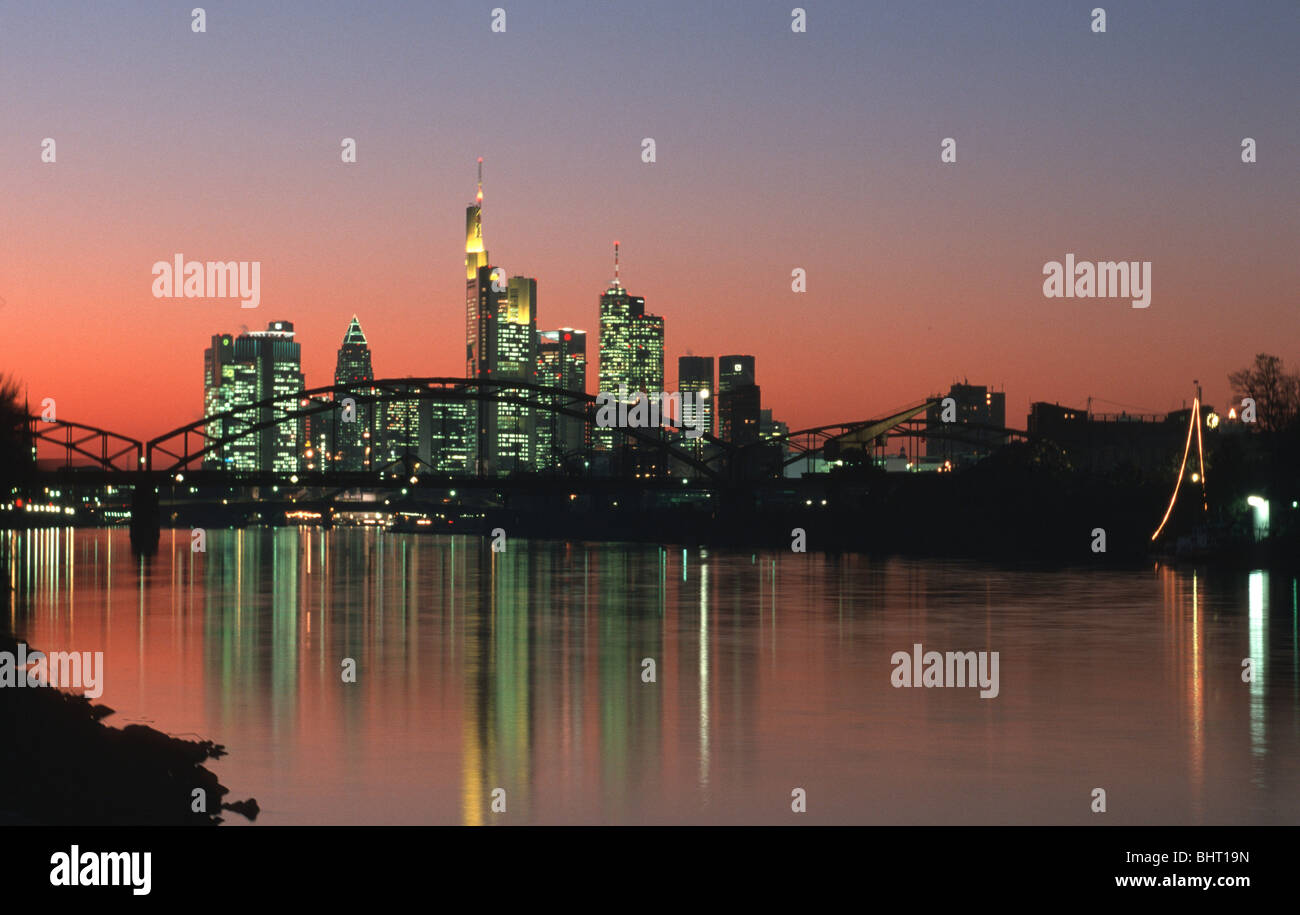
(61, 765)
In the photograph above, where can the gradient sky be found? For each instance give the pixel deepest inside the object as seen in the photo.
(775, 151)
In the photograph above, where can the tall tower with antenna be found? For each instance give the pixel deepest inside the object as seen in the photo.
(482, 302)
(475, 253)
(631, 347)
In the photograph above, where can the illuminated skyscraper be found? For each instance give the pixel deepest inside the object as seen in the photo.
(695, 378)
(631, 347)
(561, 363)
(227, 385)
(500, 344)
(241, 371)
(352, 367)
(513, 357)
(398, 433)
(480, 308)
(450, 428)
(481, 303)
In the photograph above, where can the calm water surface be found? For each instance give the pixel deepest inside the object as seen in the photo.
(522, 670)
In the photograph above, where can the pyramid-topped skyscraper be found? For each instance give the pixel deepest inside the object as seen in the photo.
(352, 439)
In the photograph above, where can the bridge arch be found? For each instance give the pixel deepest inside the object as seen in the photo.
(172, 451)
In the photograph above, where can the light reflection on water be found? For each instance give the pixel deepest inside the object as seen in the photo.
(523, 670)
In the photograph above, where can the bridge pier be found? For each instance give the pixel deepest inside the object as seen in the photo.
(146, 518)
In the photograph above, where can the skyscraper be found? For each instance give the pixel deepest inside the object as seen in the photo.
(398, 433)
(242, 371)
(481, 301)
(500, 344)
(451, 437)
(631, 347)
(229, 384)
(513, 357)
(477, 310)
(561, 363)
(695, 378)
(353, 366)
(739, 401)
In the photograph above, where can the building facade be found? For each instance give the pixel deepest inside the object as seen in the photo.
(631, 348)
(242, 371)
(353, 366)
(562, 363)
(739, 400)
(695, 378)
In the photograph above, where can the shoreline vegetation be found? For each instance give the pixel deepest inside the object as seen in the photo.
(60, 765)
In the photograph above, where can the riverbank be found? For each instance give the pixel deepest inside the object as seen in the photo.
(61, 765)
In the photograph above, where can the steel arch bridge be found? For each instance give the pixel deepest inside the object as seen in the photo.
(181, 448)
(803, 444)
(107, 450)
(176, 450)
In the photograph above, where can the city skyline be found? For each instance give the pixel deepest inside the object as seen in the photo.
(871, 414)
(919, 273)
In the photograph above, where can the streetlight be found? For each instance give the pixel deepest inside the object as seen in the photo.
(1260, 505)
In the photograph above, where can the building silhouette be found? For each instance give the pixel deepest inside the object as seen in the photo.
(739, 400)
(975, 430)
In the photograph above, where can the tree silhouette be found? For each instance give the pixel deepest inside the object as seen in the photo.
(1276, 393)
(15, 459)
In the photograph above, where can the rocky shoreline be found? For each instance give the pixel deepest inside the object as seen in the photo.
(61, 765)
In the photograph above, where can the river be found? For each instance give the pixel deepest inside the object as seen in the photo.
(624, 683)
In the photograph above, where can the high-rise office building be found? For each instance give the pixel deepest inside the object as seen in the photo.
(228, 385)
(561, 363)
(245, 370)
(450, 426)
(513, 357)
(352, 437)
(484, 288)
(739, 400)
(631, 347)
(399, 434)
(695, 382)
(500, 344)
